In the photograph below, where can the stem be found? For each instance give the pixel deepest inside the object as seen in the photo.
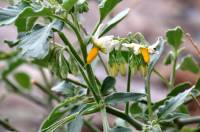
(135, 123)
(76, 82)
(148, 94)
(189, 120)
(66, 42)
(105, 120)
(44, 77)
(104, 65)
(173, 74)
(47, 91)
(161, 77)
(128, 89)
(6, 125)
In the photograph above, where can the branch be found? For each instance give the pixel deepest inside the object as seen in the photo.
(46, 91)
(6, 125)
(135, 123)
(186, 121)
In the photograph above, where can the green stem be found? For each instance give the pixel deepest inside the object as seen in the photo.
(6, 125)
(135, 123)
(128, 89)
(105, 120)
(44, 77)
(161, 77)
(173, 74)
(148, 94)
(76, 82)
(66, 42)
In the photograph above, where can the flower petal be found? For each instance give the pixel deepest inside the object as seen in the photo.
(92, 54)
(145, 54)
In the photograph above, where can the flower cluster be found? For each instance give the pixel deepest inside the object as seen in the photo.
(134, 50)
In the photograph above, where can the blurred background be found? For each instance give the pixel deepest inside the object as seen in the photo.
(150, 17)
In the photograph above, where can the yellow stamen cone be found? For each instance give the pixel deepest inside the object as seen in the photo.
(92, 54)
(145, 54)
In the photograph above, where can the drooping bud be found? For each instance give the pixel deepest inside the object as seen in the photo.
(143, 70)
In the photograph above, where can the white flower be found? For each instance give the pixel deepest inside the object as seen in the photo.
(105, 43)
(144, 50)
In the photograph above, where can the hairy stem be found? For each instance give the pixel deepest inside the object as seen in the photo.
(173, 74)
(128, 89)
(135, 123)
(148, 94)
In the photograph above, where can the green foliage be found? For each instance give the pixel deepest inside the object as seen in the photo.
(40, 26)
(114, 21)
(174, 37)
(66, 88)
(106, 7)
(189, 64)
(179, 88)
(108, 84)
(168, 59)
(68, 4)
(172, 104)
(23, 79)
(123, 97)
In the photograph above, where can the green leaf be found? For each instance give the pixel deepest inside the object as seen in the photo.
(10, 14)
(179, 88)
(189, 64)
(168, 59)
(76, 125)
(10, 65)
(58, 112)
(29, 15)
(23, 79)
(24, 15)
(172, 104)
(106, 7)
(65, 88)
(123, 97)
(121, 129)
(108, 83)
(155, 57)
(114, 21)
(35, 45)
(68, 4)
(197, 85)
(174, 37)
(172, 116)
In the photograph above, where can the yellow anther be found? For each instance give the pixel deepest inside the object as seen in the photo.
(92, 54)
(145, 54)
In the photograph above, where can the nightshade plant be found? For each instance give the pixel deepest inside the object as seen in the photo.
(39, 21)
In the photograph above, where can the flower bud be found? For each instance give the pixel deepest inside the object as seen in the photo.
(122, 69)
(143, 70)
